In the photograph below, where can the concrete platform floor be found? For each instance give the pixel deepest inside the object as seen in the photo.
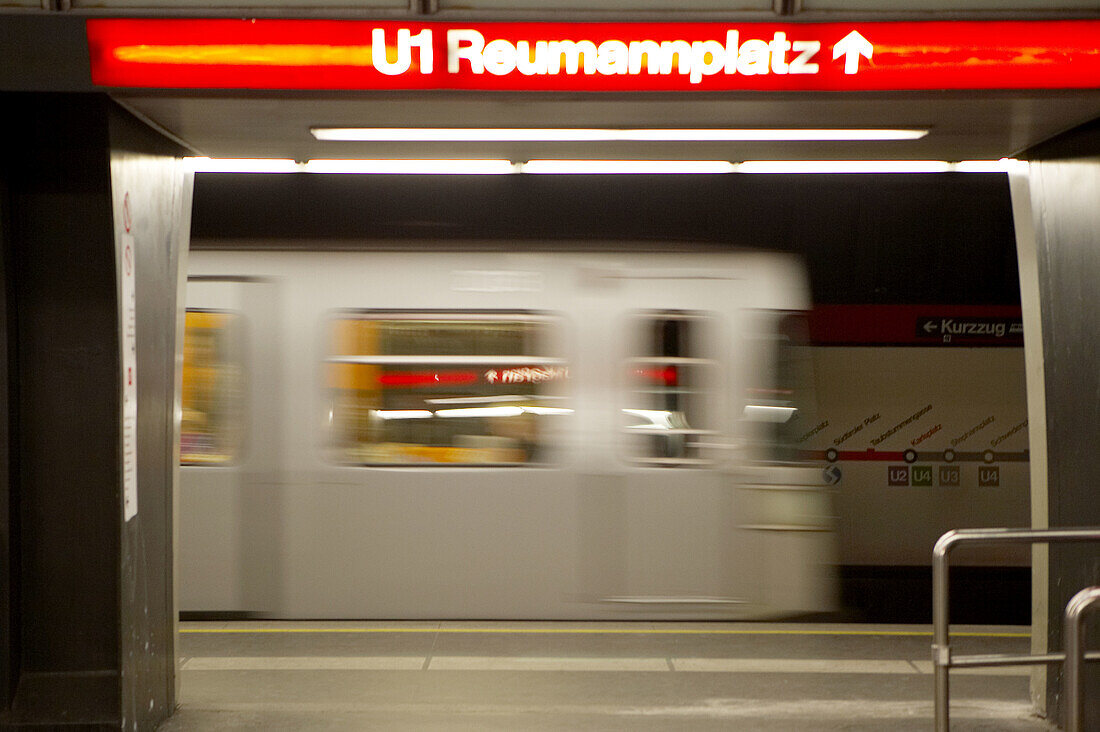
(600, 676)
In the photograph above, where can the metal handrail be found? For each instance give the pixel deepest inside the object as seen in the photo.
(1078, 605)
(942, 661)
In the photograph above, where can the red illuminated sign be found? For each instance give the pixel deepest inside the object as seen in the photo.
(427, 378)
(346, 54)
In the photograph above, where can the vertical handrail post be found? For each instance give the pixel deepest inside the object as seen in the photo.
(942, 660)
(1081, 603)
(941, 650)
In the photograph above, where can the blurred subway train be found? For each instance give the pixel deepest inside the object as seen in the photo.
(484, 434)
(910, 402)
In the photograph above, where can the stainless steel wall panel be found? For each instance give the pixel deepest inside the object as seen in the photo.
(1066, 220)
(151, 201)
(86, 602)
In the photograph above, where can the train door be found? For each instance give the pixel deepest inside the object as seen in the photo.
(229, 449)
(783, 504)
(656, 504)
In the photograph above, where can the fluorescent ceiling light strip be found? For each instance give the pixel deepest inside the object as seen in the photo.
(1003, 165)
(513, 134)
(620, 167)
(844, 166)
(411, 167)
(595, 167)
(242, 165)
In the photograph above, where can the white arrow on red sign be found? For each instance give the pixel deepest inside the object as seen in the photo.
(851, 47)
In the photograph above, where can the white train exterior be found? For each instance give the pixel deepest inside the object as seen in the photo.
(588, 474)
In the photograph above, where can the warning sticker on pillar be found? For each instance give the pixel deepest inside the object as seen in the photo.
(128, 324)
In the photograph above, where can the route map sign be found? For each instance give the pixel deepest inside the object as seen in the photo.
(627, 57)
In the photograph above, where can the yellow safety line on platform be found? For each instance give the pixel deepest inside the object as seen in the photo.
(607, 631)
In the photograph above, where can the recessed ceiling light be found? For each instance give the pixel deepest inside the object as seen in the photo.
(411, 167)
(513, 134)
(626, 167)
(242, 165)
(844, 166)
(1004, 165)
(402, 166)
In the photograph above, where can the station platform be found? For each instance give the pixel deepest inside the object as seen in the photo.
(602, 676)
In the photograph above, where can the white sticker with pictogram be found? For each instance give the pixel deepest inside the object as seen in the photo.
(128, 312)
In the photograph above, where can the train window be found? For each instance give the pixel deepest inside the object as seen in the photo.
(211, 428)
(442, 388)
(667, 393)
(782, 410)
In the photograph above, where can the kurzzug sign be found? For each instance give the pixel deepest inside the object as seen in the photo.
(351, 54)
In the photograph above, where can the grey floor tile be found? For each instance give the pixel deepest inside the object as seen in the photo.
(590, 676)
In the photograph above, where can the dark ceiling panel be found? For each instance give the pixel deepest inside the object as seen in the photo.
(963, 126)
(932, 238)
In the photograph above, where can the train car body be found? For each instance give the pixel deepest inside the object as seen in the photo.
(479, 434)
